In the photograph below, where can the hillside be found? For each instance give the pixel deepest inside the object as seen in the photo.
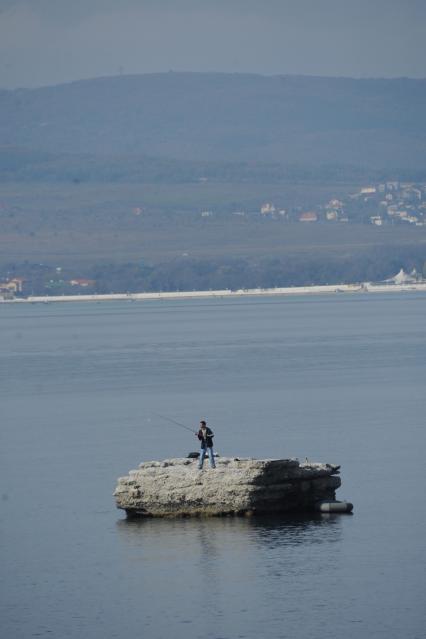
(287, 120)
(184, 181)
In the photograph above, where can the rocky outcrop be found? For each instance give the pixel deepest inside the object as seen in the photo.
(175, 487)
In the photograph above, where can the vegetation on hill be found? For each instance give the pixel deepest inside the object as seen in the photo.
(158, 181)
(290, 120)
(27, 165)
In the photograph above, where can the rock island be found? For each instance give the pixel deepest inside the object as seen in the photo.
(175, 487)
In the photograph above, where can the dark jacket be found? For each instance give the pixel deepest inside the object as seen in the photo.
(206, 442)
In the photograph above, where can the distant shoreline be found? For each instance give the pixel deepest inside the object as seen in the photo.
(225, 293)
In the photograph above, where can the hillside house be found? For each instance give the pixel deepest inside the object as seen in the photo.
(331, 215)
(392, 186)
(83, 283)
(308, 216)
(334, 204)
(267, 209)
(12, 286)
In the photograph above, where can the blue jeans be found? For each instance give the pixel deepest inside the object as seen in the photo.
(201, 458)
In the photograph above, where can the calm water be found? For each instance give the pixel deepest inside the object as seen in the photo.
(338, 379)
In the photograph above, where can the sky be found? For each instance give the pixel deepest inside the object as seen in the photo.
(46, 42)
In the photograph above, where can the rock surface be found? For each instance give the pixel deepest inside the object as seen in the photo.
(175, 487)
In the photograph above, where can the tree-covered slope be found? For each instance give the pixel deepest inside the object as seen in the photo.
(225, 117)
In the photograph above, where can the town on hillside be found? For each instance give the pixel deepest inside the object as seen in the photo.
(390, 202)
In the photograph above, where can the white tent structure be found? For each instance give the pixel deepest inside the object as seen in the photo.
(403, 278)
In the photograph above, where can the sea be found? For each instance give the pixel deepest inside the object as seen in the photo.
(86, 393)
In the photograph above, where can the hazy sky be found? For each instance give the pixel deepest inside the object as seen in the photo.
(52, 41)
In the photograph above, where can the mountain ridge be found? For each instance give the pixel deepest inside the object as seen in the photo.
(375, 123)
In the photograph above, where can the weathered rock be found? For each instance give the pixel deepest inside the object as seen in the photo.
(175, 487)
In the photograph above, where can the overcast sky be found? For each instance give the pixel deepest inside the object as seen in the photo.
(53, 41)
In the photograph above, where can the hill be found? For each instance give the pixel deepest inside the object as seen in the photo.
(289, 120)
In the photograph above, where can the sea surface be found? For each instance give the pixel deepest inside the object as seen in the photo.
(339, 379)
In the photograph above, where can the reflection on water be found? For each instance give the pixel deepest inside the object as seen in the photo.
(223, 539)
(271, 531)
(247, 568)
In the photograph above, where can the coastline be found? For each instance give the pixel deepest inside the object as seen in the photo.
(366, 287)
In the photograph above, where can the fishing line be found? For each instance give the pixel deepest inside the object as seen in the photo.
(173, 421)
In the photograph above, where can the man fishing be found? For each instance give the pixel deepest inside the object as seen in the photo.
(205, 435)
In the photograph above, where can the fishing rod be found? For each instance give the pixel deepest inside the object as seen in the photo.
(173, 421)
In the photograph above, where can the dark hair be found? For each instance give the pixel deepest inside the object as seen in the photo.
(203, 422)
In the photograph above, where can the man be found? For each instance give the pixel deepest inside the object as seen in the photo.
(205, 435)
